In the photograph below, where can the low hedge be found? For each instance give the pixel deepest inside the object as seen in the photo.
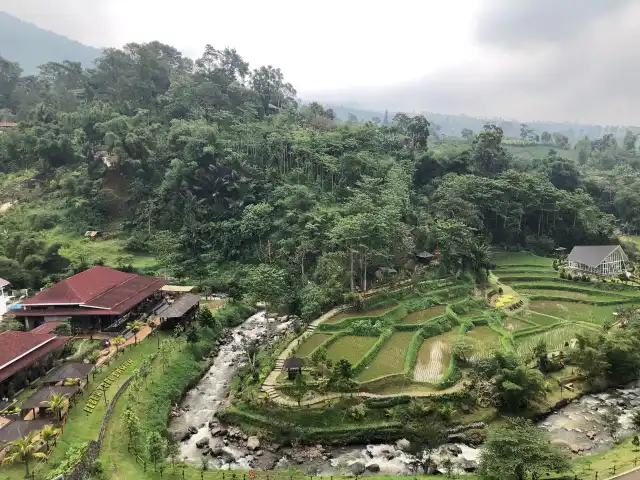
(289, 433)
(532, 331)
(452, 375)
(467, 306)
(562, 288)
(420, 303)
(413, 349)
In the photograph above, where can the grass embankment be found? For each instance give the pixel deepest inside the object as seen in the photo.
(390, 358)
(82, 427)
(165, 386)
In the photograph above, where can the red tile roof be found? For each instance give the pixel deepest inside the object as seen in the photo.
(20, 349)
(8, 124)
(46, 327)
(100, 290)
(3, 282)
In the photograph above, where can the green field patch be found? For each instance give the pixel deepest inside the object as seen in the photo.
(573, 311)
(520, 258)
(560, 286)
(486, 341)
(390, 358)
(434, 357)
(567, 294)
(556, 339)
(352, 313)
(351, 348)
(513, 324)
(531, 276)
(538, 319)
(311, 343)
(422, 316)
(468, 315)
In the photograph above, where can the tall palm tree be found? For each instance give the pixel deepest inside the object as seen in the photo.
(49, 434)
(57, 403)
(135, 327)
(117, 342)
(24, 450)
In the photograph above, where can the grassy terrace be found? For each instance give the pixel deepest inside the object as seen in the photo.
(390, 359)
(82, 427)
(350, 347)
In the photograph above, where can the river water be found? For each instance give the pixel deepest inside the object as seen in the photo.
(579, 425)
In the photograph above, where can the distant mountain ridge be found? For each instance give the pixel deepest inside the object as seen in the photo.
(32, 46)
(452, 125)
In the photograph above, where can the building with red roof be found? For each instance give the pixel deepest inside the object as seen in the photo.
(98, 299)
(8, 124)
(25, 356)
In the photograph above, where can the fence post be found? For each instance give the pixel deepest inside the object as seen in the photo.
(596, 475)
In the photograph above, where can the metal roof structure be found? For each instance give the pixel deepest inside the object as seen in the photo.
(293, 362)
(68, 370)
(592, 255)
(178, 288)
(182, 305)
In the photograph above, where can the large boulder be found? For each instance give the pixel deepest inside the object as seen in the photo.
(203, 442)
(253, 443)
(357, 468)
(403, 444)
(373, 467)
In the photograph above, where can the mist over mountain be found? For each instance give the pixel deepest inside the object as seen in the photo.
(32, 46)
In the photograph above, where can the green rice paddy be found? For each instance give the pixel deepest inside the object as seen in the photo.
(351, 348)
(390, 359)
(422, 316)
(311, 343)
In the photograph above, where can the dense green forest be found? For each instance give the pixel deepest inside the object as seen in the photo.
(215, 170)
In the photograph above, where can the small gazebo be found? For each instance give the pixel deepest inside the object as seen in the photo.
(39, 400)
(293, 366)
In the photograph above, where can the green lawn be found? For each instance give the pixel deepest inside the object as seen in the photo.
(354, 313)
(531, 152)
(351, 348)
(390, 359)
(109, 249)
(81, 426)
(311, 343)
(538, 319)
(560, 286)
(422, 316)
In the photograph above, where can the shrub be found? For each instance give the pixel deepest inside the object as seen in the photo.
(569, 276)
(500, 291)
(563, 274)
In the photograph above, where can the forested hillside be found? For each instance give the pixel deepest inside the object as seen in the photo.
(32, 46)
(213, 170)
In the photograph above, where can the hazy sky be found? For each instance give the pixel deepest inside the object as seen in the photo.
(527, 59)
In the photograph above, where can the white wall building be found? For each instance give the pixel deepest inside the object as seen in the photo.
(602, 260)
(4, 296)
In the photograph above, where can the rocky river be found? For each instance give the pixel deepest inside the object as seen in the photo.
(579, 425)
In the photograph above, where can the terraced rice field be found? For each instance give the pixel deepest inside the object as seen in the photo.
(513, 324)
(351, 348)
(353, 313)
(556, 339)
(564, 293)
(471, 314)
(390, 359)
(538, 319)
(575, 311)
(422, 316)
(311, 343)
(434, 357)
(485, 340)
(520, 258)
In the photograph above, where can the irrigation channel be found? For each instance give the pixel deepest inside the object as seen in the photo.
(579, 425)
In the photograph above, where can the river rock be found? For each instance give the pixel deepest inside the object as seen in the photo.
(185, 436)
(259, 453)
(403, 444)
(192, 430)
(453, 449)
(591, 434)
(218, 431)
(253, 443)
(373, 467)
(206, 451)
(203, 442)
(357, 468)
(576, 448)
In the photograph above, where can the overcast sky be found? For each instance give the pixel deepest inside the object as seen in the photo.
(526, 59)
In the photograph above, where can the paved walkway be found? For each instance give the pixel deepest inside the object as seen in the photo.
(109, 352)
